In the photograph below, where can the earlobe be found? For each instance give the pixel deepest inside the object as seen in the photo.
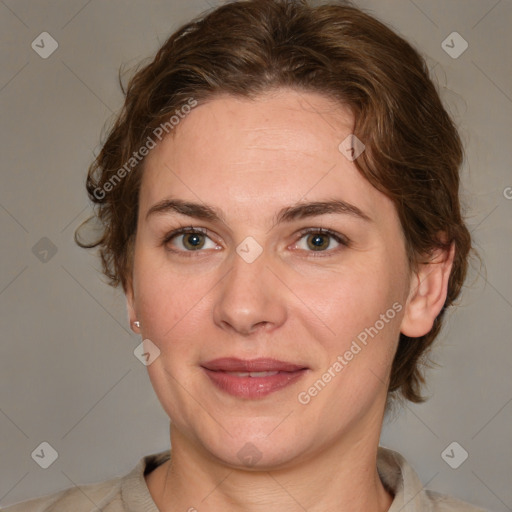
(429, 287)
(130, 306)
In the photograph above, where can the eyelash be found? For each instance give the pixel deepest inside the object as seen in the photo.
(341, 239)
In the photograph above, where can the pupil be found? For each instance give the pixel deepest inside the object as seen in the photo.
(318, 241)
(194, 240)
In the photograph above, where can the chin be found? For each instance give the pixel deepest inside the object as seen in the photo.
(258, 447)
(255, 456)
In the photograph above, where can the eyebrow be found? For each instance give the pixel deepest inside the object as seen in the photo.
(287, 214)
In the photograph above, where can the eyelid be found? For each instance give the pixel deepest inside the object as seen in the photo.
(343, 240)
(183, 230)
(180, 230)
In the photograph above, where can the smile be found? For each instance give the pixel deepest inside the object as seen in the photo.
(252, 379)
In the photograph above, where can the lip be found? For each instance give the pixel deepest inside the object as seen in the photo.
(221, 372)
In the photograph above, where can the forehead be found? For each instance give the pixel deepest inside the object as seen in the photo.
(279, 148)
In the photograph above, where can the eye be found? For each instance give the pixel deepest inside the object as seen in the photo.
(320, 240)
(189, 239)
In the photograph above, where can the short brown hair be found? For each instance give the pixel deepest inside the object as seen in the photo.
(246, 48)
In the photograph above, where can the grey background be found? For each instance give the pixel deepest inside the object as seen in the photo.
(68, 375)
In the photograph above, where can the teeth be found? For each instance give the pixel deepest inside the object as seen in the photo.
(253, 374)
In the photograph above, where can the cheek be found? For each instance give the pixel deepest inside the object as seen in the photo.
(354, 299)
(171, 310)
(363, 310)
(169, 303)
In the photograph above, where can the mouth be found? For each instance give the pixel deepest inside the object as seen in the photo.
(252, 379)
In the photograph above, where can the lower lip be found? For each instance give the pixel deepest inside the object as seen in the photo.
(252, 387)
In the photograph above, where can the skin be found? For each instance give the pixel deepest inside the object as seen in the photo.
(249, 159)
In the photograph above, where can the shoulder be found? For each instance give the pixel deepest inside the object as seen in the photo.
(84, 498)
(443, 503)
(409, 493)
(119, 494)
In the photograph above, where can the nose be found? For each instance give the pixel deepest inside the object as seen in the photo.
(250, 298)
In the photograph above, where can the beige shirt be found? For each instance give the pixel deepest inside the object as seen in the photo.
(130, 492)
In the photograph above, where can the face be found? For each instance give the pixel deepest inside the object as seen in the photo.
(276, 321)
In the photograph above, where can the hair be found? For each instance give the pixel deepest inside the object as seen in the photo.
(247, 48)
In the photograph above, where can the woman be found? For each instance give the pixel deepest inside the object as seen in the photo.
(279, 199)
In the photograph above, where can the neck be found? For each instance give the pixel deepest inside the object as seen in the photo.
(343, 477)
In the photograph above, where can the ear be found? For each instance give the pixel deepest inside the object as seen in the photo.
(429, 287)
(130, 306)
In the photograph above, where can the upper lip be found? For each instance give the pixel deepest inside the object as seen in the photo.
(232, 364)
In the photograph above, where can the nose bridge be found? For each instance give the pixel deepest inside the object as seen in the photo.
(245, 278)
(249, 295)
